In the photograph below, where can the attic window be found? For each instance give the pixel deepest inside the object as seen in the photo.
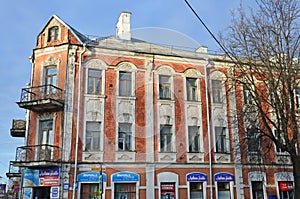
(53, 34)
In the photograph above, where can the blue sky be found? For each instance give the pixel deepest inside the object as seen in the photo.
(21, 21)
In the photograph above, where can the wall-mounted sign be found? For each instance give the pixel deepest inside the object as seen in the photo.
(196, 177)
(54, 192)
(286, 186)
(91, 176)
(49, 177)
(224, 177)
(125, 176)
(31, 178)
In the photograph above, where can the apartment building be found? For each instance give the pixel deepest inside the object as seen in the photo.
(117, 117)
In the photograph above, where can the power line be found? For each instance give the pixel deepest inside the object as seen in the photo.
(209, 31)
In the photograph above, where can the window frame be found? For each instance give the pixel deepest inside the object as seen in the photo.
(165, 87)
(217, 91)
(193, 141)
(93, 135)
(224, 139)
(125, 83)
(166, 138)
(253, 138)
(53, 34)
(126, 137)
(95, 81)
(192, 90)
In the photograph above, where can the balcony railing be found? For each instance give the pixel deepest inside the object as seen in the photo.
(42, 98)
(33, 155)
(13, 171)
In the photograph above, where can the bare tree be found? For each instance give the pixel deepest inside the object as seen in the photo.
(265, 47)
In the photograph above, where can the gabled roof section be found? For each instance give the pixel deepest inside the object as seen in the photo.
(80, 37)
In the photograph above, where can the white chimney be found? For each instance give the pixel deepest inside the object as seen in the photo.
(123, 26)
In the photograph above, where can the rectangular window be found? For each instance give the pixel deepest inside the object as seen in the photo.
(191, 89)
(223, 190)
(165, 138)
(280, 137)
(89, 190)
(125, 83)
(46, 140)
(196, 190)
(125, 191)
(216, 87)
(257, 190)
(248, 97)
(164, 87)
(194, 139)
(50, 80)
(94, 81)
(92, 136)
(221, 140)
(53, 34)
(125, 136)
(254, 140)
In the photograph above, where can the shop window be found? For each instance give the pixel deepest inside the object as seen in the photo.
(167, 190)
(53, 34)
(194, 139)
(125, 191)
(196, 190)
(124, 136)
(216, 87)
(165, 138)
(221, 139)
(89, 190)
(257, 190)
(223, 190)
(164, 87)
(125, 83)
(286, 190)
(92, 137)
(94, 81)
(191, 89)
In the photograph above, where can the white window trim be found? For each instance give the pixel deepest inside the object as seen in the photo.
(126, 67)
(257, 176)
(167, 177)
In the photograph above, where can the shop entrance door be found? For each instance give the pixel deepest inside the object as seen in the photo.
(41, 193)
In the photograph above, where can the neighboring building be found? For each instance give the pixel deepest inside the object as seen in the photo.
(149, 121)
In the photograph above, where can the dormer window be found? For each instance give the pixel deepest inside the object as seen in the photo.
(53, 34)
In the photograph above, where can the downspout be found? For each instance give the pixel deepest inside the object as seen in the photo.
(78, 120)
(208, 131)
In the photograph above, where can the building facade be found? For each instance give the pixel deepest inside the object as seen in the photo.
(118, 117)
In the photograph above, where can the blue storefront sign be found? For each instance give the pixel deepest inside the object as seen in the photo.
(31, 178)
(125, 176)
(196, 177)
(224, 177)
(91, 176)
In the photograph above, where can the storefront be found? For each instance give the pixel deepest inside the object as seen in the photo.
(92, 185)
(168, 185)
(224, 185)
(41, 183)
(285, 185)
(125, 185)
(196, 185)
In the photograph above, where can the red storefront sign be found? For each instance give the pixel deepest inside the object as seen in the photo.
(167, 187)
(286, 186)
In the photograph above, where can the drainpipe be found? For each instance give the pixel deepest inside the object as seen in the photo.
(78, 120)
(208, 130)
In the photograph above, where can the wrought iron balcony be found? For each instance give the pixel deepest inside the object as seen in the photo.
(18, 128)
(42, 98)
(13, 171)
(38, 155)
